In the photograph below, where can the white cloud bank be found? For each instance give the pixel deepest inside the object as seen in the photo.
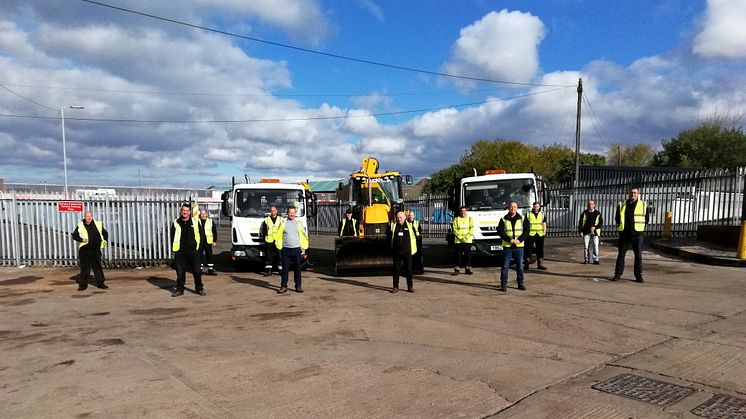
(724, 30)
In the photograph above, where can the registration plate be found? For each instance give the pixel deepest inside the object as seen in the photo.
(497, 247)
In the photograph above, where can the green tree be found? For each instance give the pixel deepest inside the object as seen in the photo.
(710, 145)
(636, 155)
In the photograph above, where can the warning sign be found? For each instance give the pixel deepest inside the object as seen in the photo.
(70, 206)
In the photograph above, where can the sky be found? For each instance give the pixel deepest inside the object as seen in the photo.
(306, 89)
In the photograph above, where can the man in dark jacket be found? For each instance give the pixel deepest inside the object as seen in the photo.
(631, 217)
(403, 246)
(418, 261)
(347, 225)
(513, 229)
(92, 237)
(185, 243)
(589, 228)
(208, 234)
(270, 226)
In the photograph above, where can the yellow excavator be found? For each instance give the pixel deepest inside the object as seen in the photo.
(374, 198)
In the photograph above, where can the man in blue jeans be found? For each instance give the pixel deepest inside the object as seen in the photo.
(292, 240)
(513, 229)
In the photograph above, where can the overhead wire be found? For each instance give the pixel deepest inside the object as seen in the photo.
(316, 118)
(29, 99)
(595, 122)
(313, 51)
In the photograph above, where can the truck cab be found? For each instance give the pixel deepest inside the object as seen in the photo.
(487, 198)
(247, 204)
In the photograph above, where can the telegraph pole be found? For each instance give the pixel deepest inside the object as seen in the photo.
(577, 135)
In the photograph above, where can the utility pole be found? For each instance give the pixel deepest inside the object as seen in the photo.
(577, 135)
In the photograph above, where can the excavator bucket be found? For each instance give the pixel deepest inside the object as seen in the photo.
(355, 255)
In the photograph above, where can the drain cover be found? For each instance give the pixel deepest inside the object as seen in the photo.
(644, 389)
(722, 406)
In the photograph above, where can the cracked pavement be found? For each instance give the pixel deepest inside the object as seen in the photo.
(348, 348)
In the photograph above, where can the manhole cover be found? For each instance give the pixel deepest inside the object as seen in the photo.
(644, 389)
(722, 406)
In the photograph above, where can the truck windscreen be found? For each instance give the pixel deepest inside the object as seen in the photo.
(497, 194)
(256, 202)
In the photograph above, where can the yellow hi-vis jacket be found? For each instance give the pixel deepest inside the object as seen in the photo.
(208, 231)
(537, 223)
(513, 230)
(412, 240)
(344, 224)
(302, 235)
(177, 233)
(641, 210)
(84, 233)
(272, 227)
(463, 229)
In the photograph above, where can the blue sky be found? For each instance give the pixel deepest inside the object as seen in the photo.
(650, 70)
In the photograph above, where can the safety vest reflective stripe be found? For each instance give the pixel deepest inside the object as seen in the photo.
(302, 235)
(585, 217)
(537, 222)
(344, 223)
(463, 228)
(177, 233)
(416, 226)
(83, 233)
(412, 240)
(208, 231)
(272, 228)
(641, 209)
(513, 230)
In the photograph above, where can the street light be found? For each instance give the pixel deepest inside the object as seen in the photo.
(64, 148)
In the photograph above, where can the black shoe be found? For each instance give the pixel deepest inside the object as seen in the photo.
(177, 293)
(503, 288)
(282, 290)
(526, 267)
(298, 289)
(410, 290)
(455, 272)
(616, 278)
(211, 272)
(595, 262)
(102, 286)
(585, 262)
(202, 292)
(639, 280)
(469, 272)
(542, 267)
(394, 290)
(82, 287)
(521, 287)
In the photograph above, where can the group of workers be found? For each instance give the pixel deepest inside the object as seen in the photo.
(193, 238)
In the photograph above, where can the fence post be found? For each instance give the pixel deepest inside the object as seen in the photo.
(742, 238)
(16, 231)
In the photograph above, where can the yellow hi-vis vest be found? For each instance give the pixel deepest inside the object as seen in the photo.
(301, 234)
(641, 209)
(84, 233)
(344, 223)
(537, 222)
(272, 228)
(598, 230)
(177, 234)
(514, 230)
(412, 240)
(416, 226)
(208, 230)
(463, 227)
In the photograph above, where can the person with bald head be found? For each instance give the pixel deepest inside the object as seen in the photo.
(91, 236)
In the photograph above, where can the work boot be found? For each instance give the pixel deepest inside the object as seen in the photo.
(616, 278)
(455, 272)
(521, 287)
(639, 280)
(102, 286)
(503, 287)
(298, 289)
(468, 270)
(282, 290)
(82, 287)
(595, 262)
(210, 269)
(202, 292)
(177, 293)
(267, 270)
(541, 265)
(394, 290)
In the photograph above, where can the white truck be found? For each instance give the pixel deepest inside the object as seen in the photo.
(487, 198)
(246, 204)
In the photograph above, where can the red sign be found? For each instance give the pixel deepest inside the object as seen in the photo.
(70, 206)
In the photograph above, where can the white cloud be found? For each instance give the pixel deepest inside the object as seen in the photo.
(502, 45)
(372, 8)
(724, 30)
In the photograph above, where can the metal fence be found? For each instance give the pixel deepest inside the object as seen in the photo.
(694, 197)
(34, 232)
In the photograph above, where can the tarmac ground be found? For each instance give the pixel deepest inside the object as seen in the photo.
(573, 345)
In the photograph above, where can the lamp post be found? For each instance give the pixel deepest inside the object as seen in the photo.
(64, 147)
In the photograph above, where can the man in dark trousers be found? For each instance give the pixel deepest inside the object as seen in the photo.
(292, 240)
(631, 217)
(403, 246)
(463, 235)
(92, 237)
(535, 238)
(185, 242)
(347, 225)
(270, 226)
(513, 229)
(589, 228)
(208, 235)
(418, 262)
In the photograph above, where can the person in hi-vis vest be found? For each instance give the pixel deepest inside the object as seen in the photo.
(403, 246)
(463, 235)
(418, 262)
(513, 229)
(92, 237)
(208, 234)
(535, 238)
(185, 243)
(292, 240)
(631, 217)
(270, 226)
(347, 225)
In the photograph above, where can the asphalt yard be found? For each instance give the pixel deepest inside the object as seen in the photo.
(573, 345)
